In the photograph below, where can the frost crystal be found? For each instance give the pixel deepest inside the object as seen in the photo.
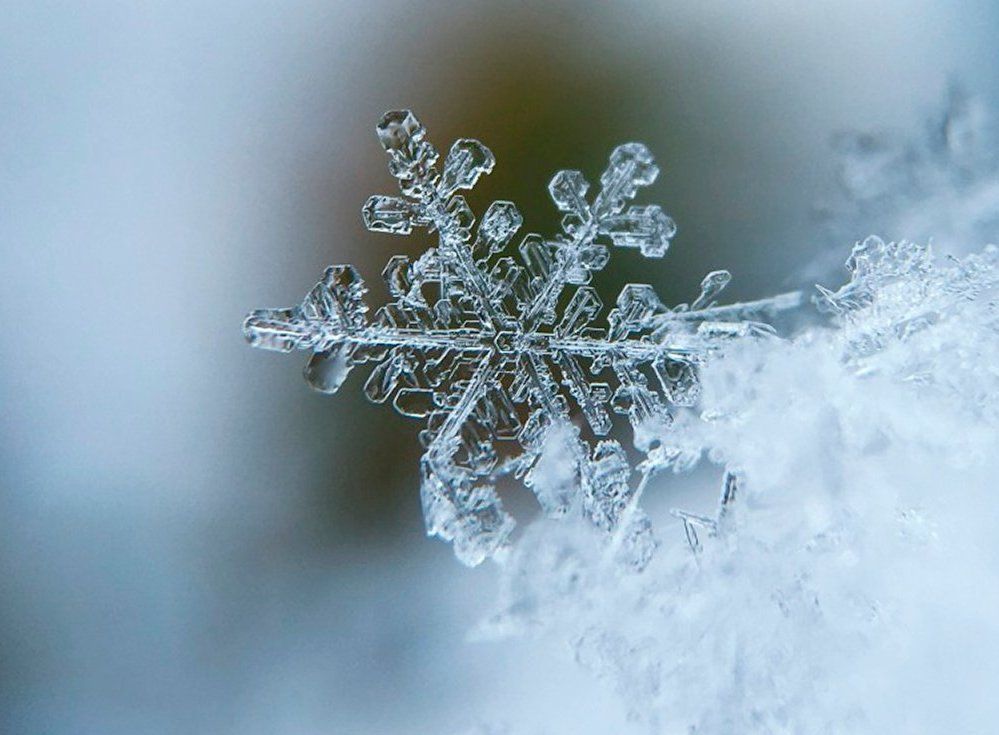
(824, 599)
(897, 293)
(499, 353)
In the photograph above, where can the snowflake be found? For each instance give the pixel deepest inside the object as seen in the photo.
(500, 354)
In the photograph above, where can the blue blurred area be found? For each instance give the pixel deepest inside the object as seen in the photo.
(190, 540)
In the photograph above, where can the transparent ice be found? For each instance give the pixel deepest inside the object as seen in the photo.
(845, 581)
(837, 573)
(501, 350)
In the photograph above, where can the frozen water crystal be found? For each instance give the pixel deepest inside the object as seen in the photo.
(854, 521)
(507, 363)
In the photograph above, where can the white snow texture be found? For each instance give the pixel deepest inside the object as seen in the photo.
(848, 581)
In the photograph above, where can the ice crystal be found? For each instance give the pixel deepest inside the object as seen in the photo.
(897, 293)
(849, 586)
(501, 352)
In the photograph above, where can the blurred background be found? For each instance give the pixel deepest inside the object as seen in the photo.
(190, 539)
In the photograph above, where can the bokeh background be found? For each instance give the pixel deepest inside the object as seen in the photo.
(192, 541)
